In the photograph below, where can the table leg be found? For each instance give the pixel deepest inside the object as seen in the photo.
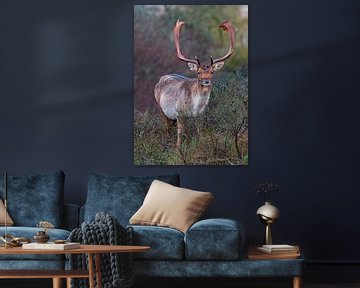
(297, 282)
(57, 283)
(98, 270)
(68, 282)
(91, 270)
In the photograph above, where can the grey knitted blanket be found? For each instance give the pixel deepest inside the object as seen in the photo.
(116, 268)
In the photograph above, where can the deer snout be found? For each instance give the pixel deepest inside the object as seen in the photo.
(206, 82)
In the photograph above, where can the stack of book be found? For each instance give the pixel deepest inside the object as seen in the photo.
(279, 249)
(51, 246)
(274, 252)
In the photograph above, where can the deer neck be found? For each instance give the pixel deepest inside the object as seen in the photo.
(203, 90)
(200, 99)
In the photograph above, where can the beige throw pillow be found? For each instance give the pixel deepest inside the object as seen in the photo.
(9, 221)
(170, 206)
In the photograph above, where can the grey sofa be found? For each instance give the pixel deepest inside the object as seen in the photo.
(32, 199)
(210, 248)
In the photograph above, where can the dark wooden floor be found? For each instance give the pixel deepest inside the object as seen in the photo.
(338, 285)
(242, 284)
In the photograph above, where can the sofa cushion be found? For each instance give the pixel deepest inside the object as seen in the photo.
(39, 264)
(214, 239)
(165, 243)
(170, 206)
(9, 221)
(119, 196)
(29, 232)
(221, 269)
(35, 198)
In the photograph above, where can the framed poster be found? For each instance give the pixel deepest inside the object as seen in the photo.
(190, 84)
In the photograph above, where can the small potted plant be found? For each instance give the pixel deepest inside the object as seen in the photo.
(265, 189)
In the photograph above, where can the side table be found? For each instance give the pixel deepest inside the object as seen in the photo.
(288, 259)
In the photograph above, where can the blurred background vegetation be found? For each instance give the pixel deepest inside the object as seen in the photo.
(220, 136)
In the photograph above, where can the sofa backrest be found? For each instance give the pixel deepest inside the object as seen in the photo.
(35, 198)
(70, 219)
(119, 196)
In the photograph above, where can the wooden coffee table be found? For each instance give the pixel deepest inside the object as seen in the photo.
(92, 251)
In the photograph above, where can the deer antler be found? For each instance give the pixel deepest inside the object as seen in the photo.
(227, 26)
(177, 29)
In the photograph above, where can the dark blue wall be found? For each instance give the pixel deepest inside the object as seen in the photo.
(66, 103)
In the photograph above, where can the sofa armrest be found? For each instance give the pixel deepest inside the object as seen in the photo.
(71, 216)
(215, 239)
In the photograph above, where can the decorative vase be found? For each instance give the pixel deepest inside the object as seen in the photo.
(268, 214)
(41, 237)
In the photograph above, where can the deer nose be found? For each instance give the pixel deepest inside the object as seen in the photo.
(206, 82)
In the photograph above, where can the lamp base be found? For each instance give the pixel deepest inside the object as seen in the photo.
(268, 237)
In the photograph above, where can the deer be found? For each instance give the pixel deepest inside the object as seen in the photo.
(179, 96)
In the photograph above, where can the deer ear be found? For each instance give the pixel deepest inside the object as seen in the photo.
(218, 66)
(192, 66)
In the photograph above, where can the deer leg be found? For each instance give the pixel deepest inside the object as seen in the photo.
(198, 126)
(180, 129)
(169, 124)
(169, 130)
